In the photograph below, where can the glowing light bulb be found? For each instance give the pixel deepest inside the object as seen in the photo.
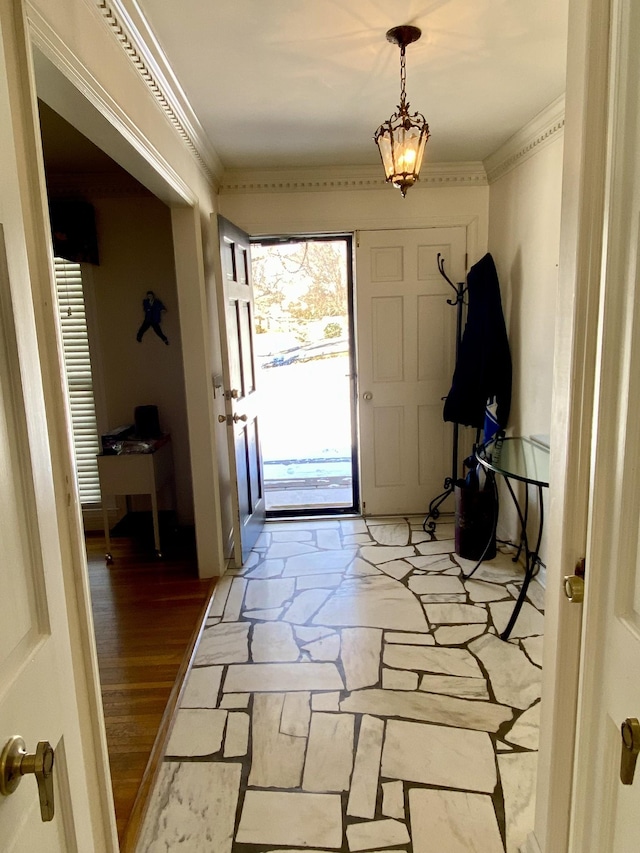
(407, 160)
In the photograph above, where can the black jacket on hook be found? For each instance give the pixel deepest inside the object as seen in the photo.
(483, 369)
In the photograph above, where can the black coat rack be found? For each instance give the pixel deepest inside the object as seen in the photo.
(429, 524)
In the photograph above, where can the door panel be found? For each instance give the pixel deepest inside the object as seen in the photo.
(406, 355)
(606, 814)
(433, 441)
(387, 338)
(388, 433)
(433, 338)
(245, 335)
(235, 305)
(37, 689)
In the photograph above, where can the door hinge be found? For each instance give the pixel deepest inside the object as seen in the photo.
(357, 236)
(466, 261)
(580, 567)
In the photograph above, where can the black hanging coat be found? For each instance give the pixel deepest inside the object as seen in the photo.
(483, 369)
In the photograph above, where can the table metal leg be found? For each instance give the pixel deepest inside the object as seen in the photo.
(107, 533)
(531, 560)
(156, 526)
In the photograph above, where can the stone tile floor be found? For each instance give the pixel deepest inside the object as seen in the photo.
(349, 693)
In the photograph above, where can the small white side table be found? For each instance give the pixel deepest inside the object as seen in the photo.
(135, 474)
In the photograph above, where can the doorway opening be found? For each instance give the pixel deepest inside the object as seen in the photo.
(305, 354)
(144, 609)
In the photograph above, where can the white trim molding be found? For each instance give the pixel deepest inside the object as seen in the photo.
(526, 142)
(530, 845)
(129, 26)
(76, 85)
(330, 178)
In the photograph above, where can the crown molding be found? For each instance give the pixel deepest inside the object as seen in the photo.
(547, 126)
(331, 178)
(80, 86)
(129, 26)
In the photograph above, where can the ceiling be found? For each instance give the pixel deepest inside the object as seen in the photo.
(305, 83)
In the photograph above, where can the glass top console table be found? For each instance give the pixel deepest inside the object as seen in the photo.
(527, 461)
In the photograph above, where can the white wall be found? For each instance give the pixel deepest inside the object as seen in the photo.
(347, 210)
(524, 239)
(136, 255)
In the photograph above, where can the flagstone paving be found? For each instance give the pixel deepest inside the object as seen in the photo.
(350, 693)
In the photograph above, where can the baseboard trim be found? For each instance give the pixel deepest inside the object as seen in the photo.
(531, 845)
(93, 519)
(541, 577)
(229, 547)
(141, 803)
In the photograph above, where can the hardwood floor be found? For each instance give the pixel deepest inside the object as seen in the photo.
(147, 614)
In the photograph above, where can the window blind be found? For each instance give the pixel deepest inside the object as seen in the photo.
(77, 362)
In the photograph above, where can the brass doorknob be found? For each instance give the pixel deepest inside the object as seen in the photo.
(15, 763)
(367, 396)
(630, 733)
(237, 418)
(574, 588)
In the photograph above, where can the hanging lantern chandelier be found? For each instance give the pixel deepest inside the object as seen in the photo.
(402, 138)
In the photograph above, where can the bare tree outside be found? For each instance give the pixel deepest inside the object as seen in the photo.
(299, 282)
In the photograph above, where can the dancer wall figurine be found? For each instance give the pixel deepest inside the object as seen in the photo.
(153, 308)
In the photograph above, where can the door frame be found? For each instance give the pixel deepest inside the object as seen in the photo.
(614, 27)
(32, 38)
(575, 356)
(69, 87)
(68, 528)
(349, 239)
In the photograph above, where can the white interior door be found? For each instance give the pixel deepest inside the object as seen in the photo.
(606, 813)
(406, 357)
(38, 695)
(239, 368)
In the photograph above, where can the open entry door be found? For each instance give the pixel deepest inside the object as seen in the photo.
(235, 306)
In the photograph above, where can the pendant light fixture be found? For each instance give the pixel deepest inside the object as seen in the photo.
(402, 138)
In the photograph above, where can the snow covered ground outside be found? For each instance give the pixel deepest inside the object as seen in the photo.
(305, 418)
